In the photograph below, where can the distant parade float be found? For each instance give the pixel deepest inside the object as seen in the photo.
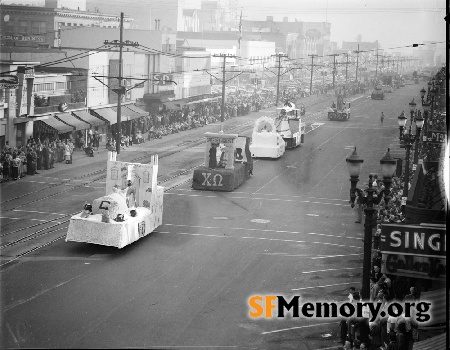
(339, 111)
(131, 208)
(228, 163)
(289, 124)
(266, 141)
(377, 93)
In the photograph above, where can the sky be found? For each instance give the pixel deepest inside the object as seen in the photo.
(394, 23)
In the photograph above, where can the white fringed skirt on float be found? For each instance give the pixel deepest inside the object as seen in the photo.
(116, 234)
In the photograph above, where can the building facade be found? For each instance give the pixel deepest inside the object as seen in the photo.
(41, 27)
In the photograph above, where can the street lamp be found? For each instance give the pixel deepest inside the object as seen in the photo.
(354, 164)
(401, 123)
(422, 93)
(419, 125)
(408, 140)
(412, 107)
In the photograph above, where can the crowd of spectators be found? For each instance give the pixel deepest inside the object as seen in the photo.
(385, 332)
(16, 162)
(190, 116)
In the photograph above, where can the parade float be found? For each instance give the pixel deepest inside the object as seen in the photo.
(377, 93)
(228, 163)
(131, 208)
(289, 124)
(339, 111)
(266, 141)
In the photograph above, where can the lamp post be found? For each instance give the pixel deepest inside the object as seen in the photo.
(419, 125)
(412, 108)
(426, 109)
(401, 123)
(408, 140)
(354, 164)
(422, 93)
(431, 96)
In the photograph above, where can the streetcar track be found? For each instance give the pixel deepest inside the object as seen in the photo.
(38, 233)
(164, 154)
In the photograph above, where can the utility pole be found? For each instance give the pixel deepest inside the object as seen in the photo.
(357, 62)
(334, 69)
(376, 68)
(121, 89)
(312, 70)
(346, 67)
(280, 55)
(222, 109)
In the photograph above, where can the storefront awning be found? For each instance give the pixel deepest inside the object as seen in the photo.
(68, 118)
(51, 125)
(208, 99)
(127, 113)
(175, 105)
(138, 110)
(89, 118)
(108, 114)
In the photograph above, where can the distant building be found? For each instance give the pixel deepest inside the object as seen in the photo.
(426, 54)
(190, 21)
(310, 38)
(363, 45)
(33, 26)
(210, 15)
(139, 10)
(252, 47)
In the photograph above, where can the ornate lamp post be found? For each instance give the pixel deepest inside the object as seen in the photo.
(401, 123)
(412, 108)
(419, 125)
(422, 93)
(408, 140)
(426, 109)
(354, 164)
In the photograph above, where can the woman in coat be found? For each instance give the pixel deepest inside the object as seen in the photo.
(45, 157)
(31, 162)
(39, 156)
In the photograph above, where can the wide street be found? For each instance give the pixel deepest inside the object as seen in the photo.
(288, 230)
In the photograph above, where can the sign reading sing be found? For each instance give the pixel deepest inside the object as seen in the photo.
(413, 240)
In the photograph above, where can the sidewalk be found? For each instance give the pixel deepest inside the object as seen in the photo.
(81, 159)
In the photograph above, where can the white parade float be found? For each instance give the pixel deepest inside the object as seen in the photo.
(289, 125)
(266, 141)
(131, 208)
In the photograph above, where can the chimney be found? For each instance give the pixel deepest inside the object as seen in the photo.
(269, 19)
(285, 19)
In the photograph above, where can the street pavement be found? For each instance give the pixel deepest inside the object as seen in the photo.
(288, 230)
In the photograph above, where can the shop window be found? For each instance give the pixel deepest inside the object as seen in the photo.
(9, 30)
(39, 27)
(24, 28)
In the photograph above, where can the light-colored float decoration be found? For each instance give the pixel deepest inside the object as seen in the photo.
(289, 125)
(339, 111)
(131, 208)
(266, 141)
(228, 163)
